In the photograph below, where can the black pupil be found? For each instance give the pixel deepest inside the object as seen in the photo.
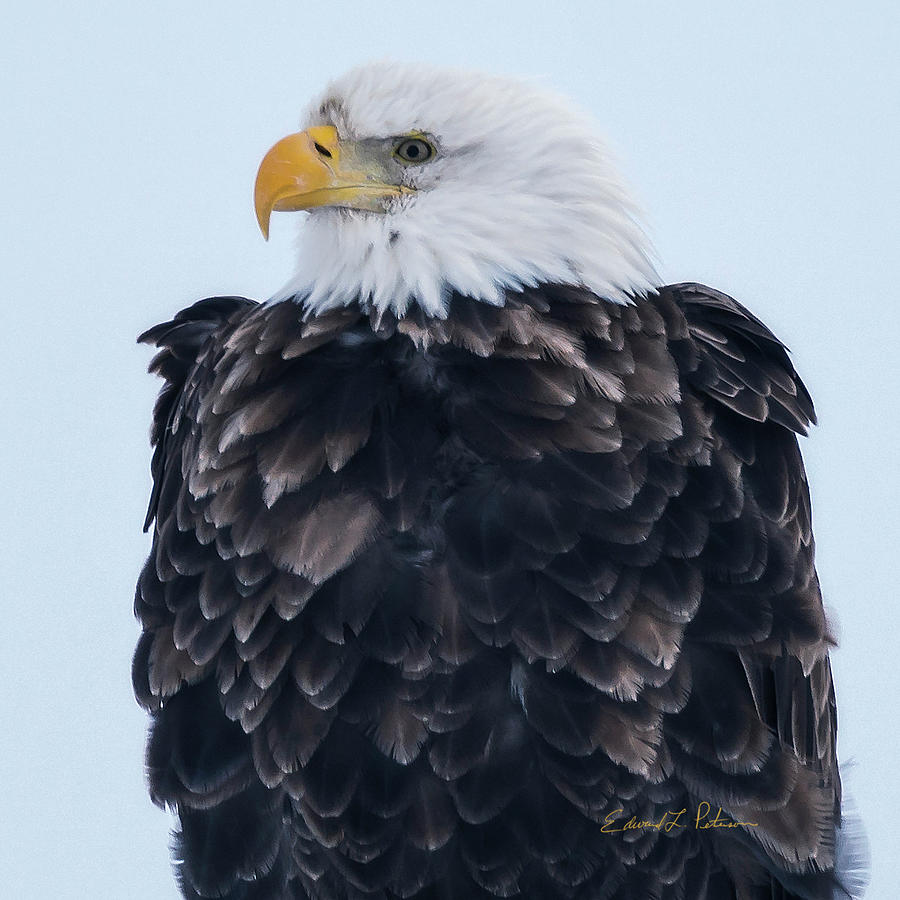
(414, 150)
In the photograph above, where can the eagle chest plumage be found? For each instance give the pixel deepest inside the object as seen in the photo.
(432, 602)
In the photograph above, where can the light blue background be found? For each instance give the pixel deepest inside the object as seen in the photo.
(761, 138)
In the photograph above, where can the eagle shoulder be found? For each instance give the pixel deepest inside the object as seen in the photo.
(741, 364)
(180, 342)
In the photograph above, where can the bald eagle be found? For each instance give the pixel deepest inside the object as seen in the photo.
(482, 562)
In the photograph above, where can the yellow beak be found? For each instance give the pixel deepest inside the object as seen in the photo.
(308, 169)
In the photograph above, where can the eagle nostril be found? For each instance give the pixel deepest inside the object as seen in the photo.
(322, 151)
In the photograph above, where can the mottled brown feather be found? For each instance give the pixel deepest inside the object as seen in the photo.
(430, 601)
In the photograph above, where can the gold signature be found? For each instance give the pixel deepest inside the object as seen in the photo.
(671, 820)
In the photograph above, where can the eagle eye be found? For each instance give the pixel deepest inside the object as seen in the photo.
(413, 151)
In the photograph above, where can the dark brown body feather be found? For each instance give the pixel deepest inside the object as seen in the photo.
(430, 602)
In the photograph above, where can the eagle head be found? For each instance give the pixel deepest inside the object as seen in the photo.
(422, 182)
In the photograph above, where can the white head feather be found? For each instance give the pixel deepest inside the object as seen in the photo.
(521, 192)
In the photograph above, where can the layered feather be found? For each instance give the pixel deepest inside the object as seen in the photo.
(432, 601)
